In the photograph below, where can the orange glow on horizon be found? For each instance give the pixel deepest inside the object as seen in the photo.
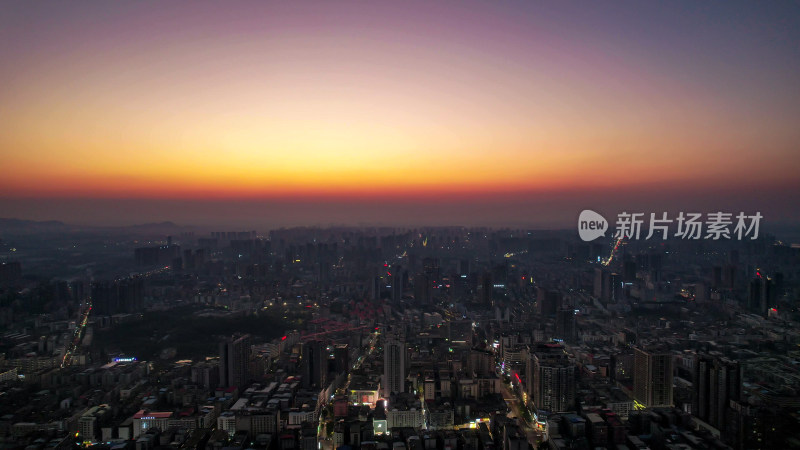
(354, 101)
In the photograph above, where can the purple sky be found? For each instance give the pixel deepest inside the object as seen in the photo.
(356, 112)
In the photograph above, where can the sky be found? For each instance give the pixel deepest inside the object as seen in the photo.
(413, 112)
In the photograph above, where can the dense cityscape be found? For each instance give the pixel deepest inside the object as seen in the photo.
(454, 338)
(399, 225)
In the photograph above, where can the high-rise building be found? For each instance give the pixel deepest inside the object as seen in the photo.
(601, 284)
(500, 275)
(487, 288)
(566, 325)
(481, 362)
(652, 375)
(375, 288)
(548, 301)
(394, 364)
(615, 285)
(463, 267)
(398, 284)
(341, 356)
(314, 364)
(430, 266)
(761, 294)
(234, 361)
(131, 294)
(551, 379)
(206, 375)
(424, 282)
(423, 288)
(119, 296)
(161, 255)
(717, 382)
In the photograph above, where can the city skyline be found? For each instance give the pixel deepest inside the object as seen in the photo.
(354, 113)
(417, 225)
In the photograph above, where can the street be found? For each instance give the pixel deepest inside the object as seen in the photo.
(534, 436)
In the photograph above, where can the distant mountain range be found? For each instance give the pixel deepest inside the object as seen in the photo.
(151, 227)
(33, 226)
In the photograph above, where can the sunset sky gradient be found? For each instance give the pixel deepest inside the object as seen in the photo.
(380, 112)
